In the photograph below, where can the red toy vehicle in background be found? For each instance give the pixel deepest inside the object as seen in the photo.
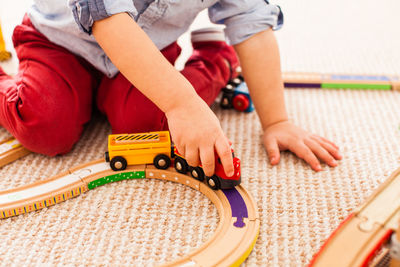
(236, 95)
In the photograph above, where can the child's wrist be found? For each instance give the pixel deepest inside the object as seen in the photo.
(184, 103)
(267, 125)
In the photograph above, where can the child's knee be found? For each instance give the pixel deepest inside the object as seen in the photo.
(48, 139)
(49, 131)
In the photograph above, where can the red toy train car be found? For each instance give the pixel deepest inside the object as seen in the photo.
(219, 180)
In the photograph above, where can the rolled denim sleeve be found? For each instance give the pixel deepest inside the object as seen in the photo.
(86, 12)
(244, 18)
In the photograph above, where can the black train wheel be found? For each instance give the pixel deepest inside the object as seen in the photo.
(118, 163)
(162, 161)
(213, 182)
(181, 165)
(197, 173)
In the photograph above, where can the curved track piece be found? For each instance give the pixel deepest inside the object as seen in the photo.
(230, 245)
(358, 239)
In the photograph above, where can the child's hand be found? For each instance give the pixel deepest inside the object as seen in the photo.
(197, 133)
(310, 147)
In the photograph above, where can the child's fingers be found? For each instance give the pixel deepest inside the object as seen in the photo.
(320, 152)
(181, 149)
(207, 158)
(271, 145)
(192, 156)
(224, 151)
(334, 151)
(230, 142)
(304, 152)
(325, 140)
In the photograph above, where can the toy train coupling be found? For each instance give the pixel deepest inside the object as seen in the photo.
(172, 150)
(236, 95)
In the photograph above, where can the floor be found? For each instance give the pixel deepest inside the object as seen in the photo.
(151, 222)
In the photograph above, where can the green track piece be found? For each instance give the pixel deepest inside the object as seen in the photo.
(357, 86)
(116, 177)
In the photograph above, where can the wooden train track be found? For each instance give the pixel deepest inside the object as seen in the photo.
(11, 150)
(360, 239)
(232, 242)
(363, 239)
(337, 81)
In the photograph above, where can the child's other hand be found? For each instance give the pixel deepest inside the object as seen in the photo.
(310, 147)
(197, 133)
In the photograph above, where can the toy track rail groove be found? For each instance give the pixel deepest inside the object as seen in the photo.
(232, 242)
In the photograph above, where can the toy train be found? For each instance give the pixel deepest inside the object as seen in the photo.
(236, 95)
(157, 148)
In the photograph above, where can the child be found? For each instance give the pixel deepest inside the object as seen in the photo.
(109, 50)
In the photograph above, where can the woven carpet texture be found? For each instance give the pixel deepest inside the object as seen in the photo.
(148, 222)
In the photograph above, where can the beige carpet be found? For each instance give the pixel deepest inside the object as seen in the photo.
(142, 222)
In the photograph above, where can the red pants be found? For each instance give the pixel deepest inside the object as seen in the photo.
(46, 105)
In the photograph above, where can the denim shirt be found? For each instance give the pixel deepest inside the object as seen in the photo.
(69, 23)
